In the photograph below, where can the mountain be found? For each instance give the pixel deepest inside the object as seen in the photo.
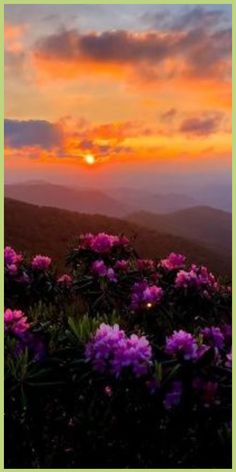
(34, 229)
(112, 202)
(150, 201)
(47, 194)
(203, 224)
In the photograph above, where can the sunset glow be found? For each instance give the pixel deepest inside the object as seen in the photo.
(120, 86)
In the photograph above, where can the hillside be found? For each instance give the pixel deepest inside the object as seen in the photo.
(51, 231)
(85, 201)
(202, 224)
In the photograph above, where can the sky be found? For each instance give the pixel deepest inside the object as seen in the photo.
(118, 94)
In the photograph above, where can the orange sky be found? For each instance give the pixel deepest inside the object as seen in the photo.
(126, 85)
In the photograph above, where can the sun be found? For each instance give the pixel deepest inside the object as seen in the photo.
(89, 159)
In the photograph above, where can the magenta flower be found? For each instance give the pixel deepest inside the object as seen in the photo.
(65, 280)
(41, 262)
(111, 351)
(182, 344)
(102, 242)
(214, 336)
(152, 294)
(197, 277)
(144, 295)
(15, 322)
(99, 268)
(173, 397)
(173, 261)
(11, 257)
(12, 260)
(121, 265)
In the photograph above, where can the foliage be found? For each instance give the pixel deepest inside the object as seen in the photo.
(123, 363)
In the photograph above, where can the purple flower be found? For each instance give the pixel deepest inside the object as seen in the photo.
(65, 280)
(144, 295)
(173, 397)
(111, 351)
(111, 275)
(12, 260)
(15, 322)
(183, 344)
(41, 262)
(99, 268)
(173, 261)
(214, 336)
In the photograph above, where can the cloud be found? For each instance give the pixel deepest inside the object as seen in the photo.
(201, 126)
(19, 134)
(150, 54)
(188, 17)
(168, 115)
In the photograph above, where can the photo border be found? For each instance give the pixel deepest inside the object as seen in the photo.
(121, 2)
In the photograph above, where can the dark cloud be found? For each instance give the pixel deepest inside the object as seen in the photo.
(40, 133)
(168, 115)
(201, 51)
(201, 125)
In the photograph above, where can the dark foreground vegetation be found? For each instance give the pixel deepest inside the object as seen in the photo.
(121, 362)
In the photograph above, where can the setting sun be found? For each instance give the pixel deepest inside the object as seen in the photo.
(89, 159)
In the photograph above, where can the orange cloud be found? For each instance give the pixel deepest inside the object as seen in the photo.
(13, 37)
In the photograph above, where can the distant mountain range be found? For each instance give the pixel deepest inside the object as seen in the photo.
(51, 231)
(203, 224)
(112, 202)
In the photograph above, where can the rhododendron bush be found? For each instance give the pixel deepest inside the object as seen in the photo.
(119, 362)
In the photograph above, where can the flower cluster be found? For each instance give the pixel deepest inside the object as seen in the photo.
(12, 260)
(146, 295)
(214, 336)
(182, 344)
(41, 262)
(111, 351)
(15, 322)
(99, 268)
(173, 262)
(102, 242)
(197, 277)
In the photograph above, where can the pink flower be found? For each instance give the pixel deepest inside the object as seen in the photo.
(173, 261)
(121, 265)
(15, 321)
(41, 262)
(65, 280)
